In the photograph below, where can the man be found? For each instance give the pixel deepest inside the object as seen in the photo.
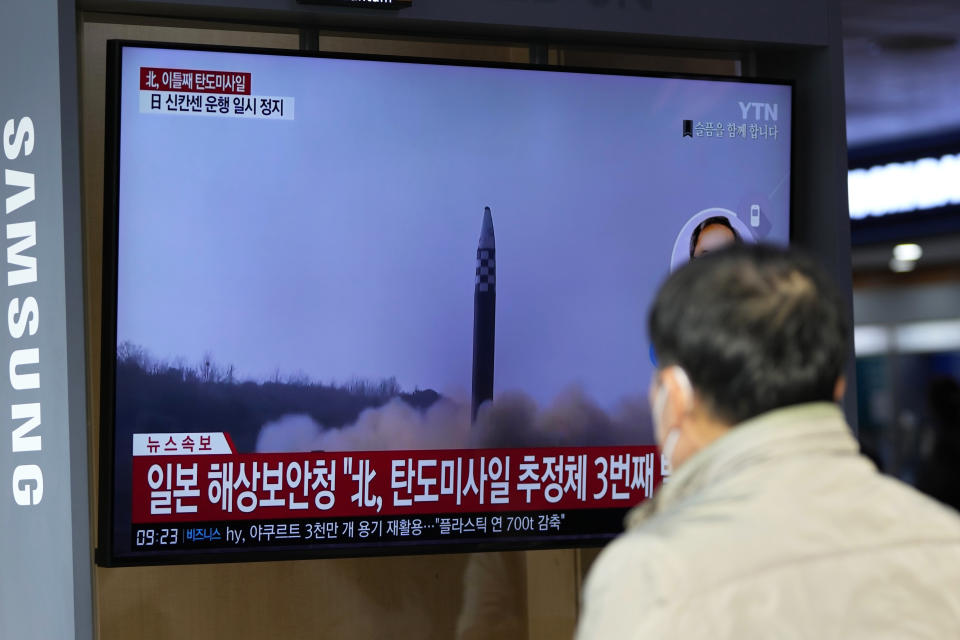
(772, 524)
(712, 234)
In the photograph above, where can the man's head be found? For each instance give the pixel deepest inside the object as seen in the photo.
(712, 234)
(740, 332)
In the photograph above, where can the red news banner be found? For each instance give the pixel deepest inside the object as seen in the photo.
(194, 80)
(174, 484)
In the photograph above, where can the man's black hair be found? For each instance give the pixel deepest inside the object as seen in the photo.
(755, 327)
(723, 221)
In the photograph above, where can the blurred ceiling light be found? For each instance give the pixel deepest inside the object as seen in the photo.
(928, 337)
(871, 340)
(902, 266)
(907, 252)
(926, 183)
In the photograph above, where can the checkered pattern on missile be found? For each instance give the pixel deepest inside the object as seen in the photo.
(486, 270)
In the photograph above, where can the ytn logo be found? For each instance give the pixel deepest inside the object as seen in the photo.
(769, 110)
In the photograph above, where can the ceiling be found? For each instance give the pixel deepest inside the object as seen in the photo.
(902, 77)
(901, 67)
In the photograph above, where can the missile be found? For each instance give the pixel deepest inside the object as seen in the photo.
(484, 314)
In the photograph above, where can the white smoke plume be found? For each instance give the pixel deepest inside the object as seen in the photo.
(512, 420)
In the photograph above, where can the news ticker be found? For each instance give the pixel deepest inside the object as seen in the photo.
(432, 529)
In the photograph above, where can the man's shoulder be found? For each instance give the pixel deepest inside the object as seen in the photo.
(841, 535)
(899, 512)
(789, 514)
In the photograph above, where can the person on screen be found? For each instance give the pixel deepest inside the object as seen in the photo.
(772, 524)
(713, 233)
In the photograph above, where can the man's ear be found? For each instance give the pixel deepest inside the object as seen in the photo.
(679, 393)
(839, 388)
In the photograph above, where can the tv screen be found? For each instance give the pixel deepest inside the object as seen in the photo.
(360, 305)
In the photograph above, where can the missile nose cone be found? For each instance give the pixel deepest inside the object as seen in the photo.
(487, 240)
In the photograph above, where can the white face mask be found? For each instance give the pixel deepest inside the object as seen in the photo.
(669, 442)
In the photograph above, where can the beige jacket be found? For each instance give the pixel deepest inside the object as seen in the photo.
(780, 529)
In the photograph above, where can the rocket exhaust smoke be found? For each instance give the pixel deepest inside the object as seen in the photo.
(514, 420)
(395, 425)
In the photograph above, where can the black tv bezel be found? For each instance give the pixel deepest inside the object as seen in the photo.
(104, 553)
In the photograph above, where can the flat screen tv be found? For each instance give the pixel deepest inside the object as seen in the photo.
(366, 305)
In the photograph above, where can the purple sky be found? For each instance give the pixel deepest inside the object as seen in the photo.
(343, 243)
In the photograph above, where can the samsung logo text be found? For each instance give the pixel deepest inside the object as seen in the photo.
(23, 313)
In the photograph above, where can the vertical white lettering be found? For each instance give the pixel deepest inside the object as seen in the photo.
(23, 314)
(20, 358)
(11, 148)
(28, 273)
(27, 485)
(770, 111)
(27, 193)
(744, 107)
(19, 319)
(30, 413)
